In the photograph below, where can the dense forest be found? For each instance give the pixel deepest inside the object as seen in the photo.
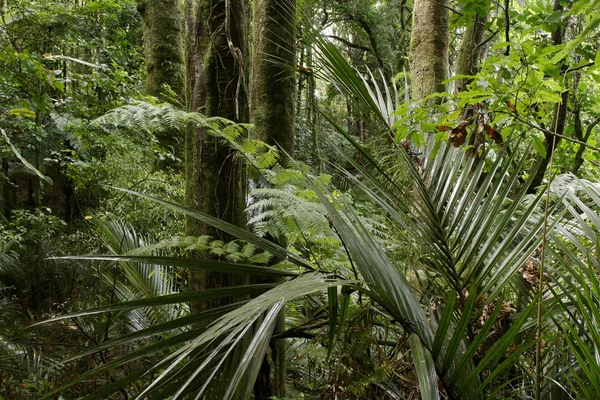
(299, 199)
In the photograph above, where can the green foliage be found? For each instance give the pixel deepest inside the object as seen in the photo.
(409, 268)
(26, 227)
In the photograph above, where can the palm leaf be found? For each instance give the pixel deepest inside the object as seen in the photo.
(474, 226)
(190, 263)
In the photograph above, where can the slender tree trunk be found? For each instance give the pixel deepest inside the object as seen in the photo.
(273, 90)
(163, 49)
(429, 47)
(471, 50)
(313, 115)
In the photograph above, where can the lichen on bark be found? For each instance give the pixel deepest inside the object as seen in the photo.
(163, 45)
(429, 47)
(273, 72)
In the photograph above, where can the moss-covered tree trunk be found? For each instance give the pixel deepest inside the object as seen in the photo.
(429, 47)
(162, 45)
(217, 69)
(273, 90)
(163, 48)
(273, 74)
(471, 50)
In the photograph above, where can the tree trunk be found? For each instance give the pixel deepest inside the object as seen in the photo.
(216, 179)
(162, 45)
(273, 90)
(273, 72)
(467, 62)
(470, 51)
(163, 49)
(429, 47)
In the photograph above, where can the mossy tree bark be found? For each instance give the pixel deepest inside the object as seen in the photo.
(471, 51)
(163, 48)
(273, 89)
(217, 69)
(162, 45)
(273, 72)
(429, 47)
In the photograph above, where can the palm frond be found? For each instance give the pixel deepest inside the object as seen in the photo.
(575, 292)
(473, 225)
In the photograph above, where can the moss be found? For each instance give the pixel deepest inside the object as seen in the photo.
(429, 47)
(273, 72)
(163, 45)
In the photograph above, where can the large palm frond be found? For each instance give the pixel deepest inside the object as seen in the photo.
(573, 290)
(212, 353)
(473, 226)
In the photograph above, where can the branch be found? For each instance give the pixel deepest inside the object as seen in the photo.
(442, 4)
(580, 67)
(485, 41)
(549, 132)
(591, 126)
(348, 43)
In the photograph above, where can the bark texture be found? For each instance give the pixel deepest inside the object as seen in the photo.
(273, 90)
(471, 50)
(429, 47)
(162, 45)
(216, 179)
(273, 72)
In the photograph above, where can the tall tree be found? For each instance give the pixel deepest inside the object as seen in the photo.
(273, 88)
(164, 56)
(216, 183)
(429, 47)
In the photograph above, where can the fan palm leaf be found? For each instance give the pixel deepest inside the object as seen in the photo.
(573, 295)
(474, 226)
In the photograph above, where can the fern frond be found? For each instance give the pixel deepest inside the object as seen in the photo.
(151, 117)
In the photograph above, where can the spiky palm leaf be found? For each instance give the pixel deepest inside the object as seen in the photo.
(573, 292)
(142, 279)
(473, 225)
(211, 357)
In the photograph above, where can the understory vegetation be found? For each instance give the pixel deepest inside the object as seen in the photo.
(435, 246)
